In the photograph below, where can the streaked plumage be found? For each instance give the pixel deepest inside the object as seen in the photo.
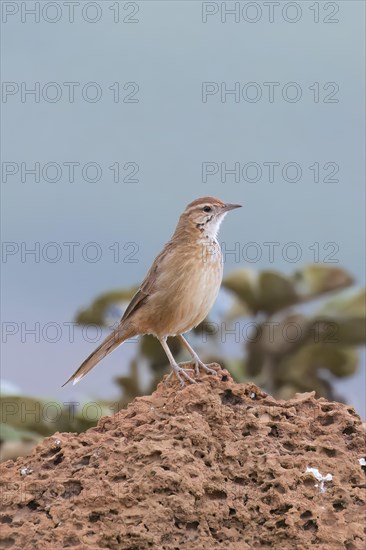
(179, 289)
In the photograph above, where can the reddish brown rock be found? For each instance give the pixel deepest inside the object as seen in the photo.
(212, 465)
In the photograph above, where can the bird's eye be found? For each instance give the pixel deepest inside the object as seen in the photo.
(207, 209)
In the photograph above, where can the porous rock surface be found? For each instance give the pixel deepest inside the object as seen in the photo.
(212, 465)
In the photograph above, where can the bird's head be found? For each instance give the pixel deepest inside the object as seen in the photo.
(205, 215)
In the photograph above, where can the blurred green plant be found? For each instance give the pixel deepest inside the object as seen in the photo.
(25, 420)
(288, 351)
(292, 352)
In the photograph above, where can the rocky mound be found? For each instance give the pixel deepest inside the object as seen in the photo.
(212, 465)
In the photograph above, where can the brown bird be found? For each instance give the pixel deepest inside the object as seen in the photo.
(179, 289)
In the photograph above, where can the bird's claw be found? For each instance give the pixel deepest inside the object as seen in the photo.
(181, 372)
(199, 365)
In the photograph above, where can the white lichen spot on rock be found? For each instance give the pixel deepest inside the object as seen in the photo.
(362, 461)
(25, 471)
(319, 477)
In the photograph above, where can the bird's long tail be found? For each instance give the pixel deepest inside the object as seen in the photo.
(113, 340)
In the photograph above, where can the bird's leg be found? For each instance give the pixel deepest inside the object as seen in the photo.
(179, 371)
(196, 360)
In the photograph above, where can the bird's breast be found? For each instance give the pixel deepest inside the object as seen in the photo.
(187, 287)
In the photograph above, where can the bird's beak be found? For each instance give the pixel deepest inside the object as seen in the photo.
(228, 207)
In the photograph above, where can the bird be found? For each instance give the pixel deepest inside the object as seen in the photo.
(178, 291)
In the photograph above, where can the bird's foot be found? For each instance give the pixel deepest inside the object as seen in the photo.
(198, 364)
(181, 373)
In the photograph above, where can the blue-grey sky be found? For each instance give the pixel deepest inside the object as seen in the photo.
(164, 71)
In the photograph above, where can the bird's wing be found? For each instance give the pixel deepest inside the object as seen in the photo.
(147, 285)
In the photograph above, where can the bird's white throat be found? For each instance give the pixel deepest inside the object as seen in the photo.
(212, 227)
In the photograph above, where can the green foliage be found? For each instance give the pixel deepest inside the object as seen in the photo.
(269, 292)
(96, 313)
(24, 421)
(290, 351)
(43, 417)
(294, 352)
